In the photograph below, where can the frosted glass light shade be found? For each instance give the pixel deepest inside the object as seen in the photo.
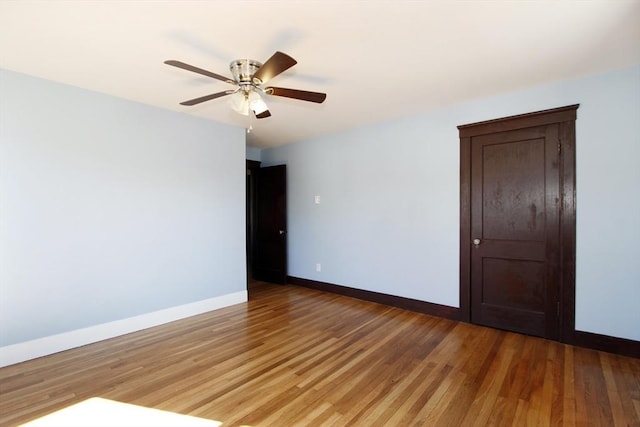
(256, 103)
(240, 103)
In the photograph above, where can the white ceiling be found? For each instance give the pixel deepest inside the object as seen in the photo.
(376, 60)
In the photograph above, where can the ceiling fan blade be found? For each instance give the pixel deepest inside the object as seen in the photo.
(199, 71)
(206, 98)
(263, 115)
(297, 94)
(275, 65)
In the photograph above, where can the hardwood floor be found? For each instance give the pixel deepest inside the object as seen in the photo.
(294, 356)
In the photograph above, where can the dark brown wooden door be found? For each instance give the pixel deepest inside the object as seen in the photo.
(270, 257)
(515, 229)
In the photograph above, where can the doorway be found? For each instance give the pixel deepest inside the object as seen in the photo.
(517, 223)
(266, 223)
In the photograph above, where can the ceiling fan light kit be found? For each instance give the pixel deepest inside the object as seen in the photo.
(249, 76)
(242, 101)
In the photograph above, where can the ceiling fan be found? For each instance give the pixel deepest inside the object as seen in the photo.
(250, 76)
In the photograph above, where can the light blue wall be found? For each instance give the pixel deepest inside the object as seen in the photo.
(388, 218)
(254, 153)
(111, 209)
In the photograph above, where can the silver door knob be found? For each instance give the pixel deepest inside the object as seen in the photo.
(476, 242)
(281, 232)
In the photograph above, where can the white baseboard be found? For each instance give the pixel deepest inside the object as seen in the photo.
(27, 350)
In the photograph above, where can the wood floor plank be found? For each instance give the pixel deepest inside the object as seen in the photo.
(422, 389)
(568, 390)
(553, 384)
(615, 400)
(480, 410)
(293, 356)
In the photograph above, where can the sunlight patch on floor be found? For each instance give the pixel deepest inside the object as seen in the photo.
(98, 412)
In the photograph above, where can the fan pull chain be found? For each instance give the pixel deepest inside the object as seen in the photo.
(250, 118)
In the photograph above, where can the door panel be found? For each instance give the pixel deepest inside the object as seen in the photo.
(515, 217)
(270, 261)
(513, 198)
(518, 284)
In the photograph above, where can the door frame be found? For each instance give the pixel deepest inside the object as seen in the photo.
(251, 166)
(565, 117)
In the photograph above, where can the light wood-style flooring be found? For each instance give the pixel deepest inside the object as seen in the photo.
(293, 356)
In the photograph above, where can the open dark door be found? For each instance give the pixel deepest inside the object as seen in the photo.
(270, 257)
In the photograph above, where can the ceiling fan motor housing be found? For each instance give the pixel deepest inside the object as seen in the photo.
(243, 71)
